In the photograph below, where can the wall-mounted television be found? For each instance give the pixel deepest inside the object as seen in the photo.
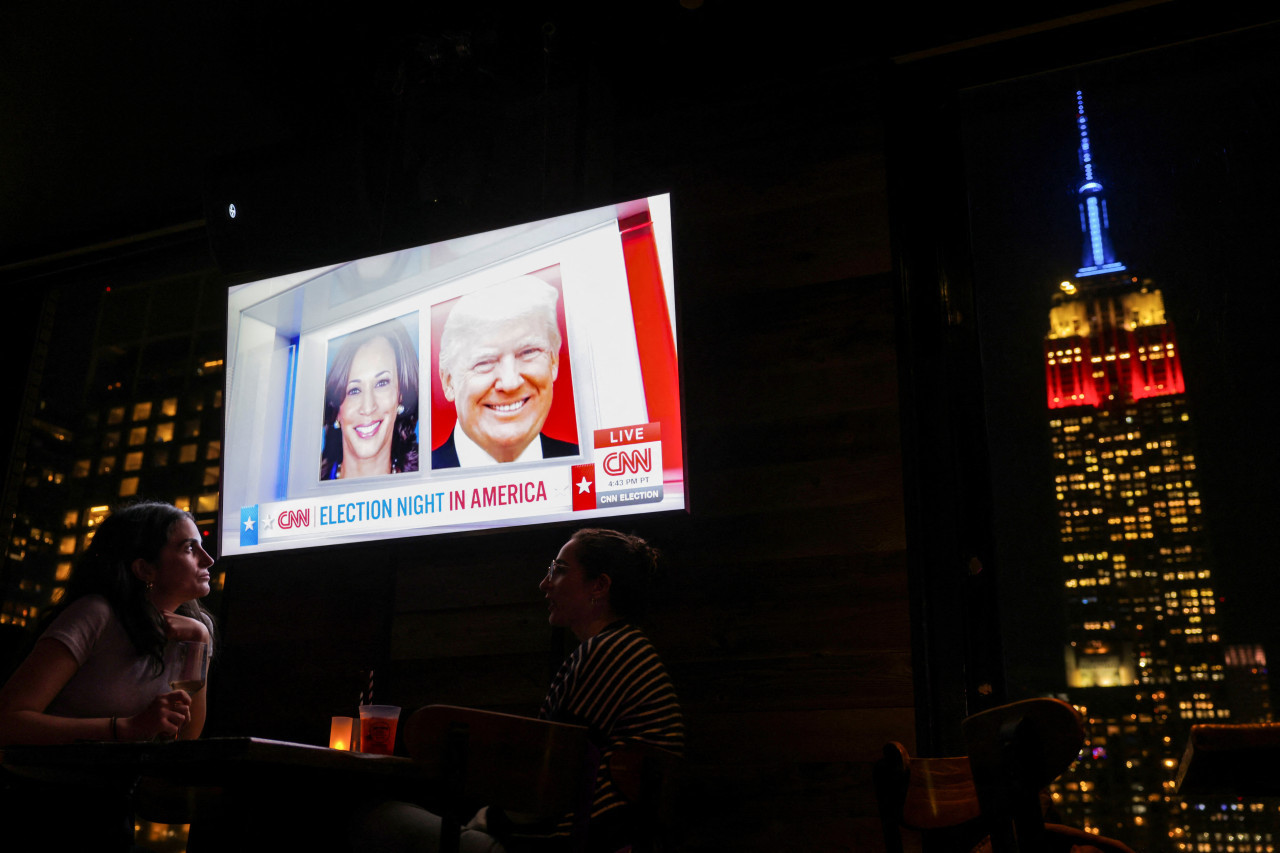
(520, 376)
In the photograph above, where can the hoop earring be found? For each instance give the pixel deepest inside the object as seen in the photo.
(400, 409)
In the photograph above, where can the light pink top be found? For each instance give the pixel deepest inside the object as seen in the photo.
(113, 679)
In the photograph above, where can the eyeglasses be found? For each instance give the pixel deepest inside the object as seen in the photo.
(553, 565)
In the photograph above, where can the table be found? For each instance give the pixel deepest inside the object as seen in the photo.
(239, 793)
(212, 761)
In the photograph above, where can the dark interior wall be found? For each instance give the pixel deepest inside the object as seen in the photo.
(785, 615)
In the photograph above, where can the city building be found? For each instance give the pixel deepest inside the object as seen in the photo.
(1144, 656)
(125, 403)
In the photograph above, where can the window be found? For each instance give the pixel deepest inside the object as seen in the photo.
(106, 464)
(207, 503)
(211, 475)
(187, 453)
(110, 440)
(137, 435)
(213, 450)
(63, 572)
(169, 407)
(164, 432)
(70, 519)
(160, 457)
(1022, 143)
(133, 461)
(128, 487)
(82, 468)
(116, 415)
(183, 503)
(67, 545)
(191, 428)
(141, 411)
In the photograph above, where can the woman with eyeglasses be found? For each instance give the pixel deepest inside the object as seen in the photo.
(613, 683)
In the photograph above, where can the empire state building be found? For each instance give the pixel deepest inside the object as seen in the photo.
(1143, 654)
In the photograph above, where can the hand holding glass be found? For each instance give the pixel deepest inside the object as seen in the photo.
(188, 666)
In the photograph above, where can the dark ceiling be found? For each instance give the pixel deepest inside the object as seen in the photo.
(112, 122)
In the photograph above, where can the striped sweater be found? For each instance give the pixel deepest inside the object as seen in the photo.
(616, 686)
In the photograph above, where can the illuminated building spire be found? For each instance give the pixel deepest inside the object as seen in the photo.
(1098, 257)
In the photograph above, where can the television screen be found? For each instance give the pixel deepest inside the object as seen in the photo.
(519, 376)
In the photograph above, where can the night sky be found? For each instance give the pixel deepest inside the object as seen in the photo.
(1185, 142)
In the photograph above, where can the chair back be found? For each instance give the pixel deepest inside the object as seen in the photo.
(931, 797)
(988, 801)
(1015, 750)
(650, 779)
(533, 769)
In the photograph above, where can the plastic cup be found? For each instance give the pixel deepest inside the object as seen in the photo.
(378, 728)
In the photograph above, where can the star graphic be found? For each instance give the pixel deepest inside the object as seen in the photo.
(584, 486)
(248, 523)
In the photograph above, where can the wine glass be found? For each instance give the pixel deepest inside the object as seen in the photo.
(188, 666)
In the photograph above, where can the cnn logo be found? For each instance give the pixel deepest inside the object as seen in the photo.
(628, 462)
(294, 518)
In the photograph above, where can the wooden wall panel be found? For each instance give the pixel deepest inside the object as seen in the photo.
(784, 615)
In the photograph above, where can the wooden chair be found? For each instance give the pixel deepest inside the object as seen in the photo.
(650, 780)
(932, 798)
(535, 770)
(1015, 752)
(988, 801)
(1231, 760)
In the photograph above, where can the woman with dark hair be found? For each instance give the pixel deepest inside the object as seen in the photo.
(613, 683)
(371, 405)
(97, 672)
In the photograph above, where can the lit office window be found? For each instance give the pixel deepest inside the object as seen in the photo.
(187, 453)
(57, 594)
(211, 475)
(213, 450)
(183, 503)
(106, 464)
(141, 411)
(95, 515)
(81, 468)
(137, 435)
(217, 399)
(116, 415)
(70, 519)
(63, 571)
(164, 432)
(207, 503)
(191, 428)
(169, 407)
(128, 487)
(110, 440)
(67, 545)
(133, 461)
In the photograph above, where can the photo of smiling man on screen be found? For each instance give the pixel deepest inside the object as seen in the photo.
(499, 360)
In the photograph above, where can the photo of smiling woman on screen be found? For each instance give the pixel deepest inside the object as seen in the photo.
(371, 404)
(499, 361)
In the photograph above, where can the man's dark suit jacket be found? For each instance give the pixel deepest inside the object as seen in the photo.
(446, 455)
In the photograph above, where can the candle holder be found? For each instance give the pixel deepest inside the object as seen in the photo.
(341, 730)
